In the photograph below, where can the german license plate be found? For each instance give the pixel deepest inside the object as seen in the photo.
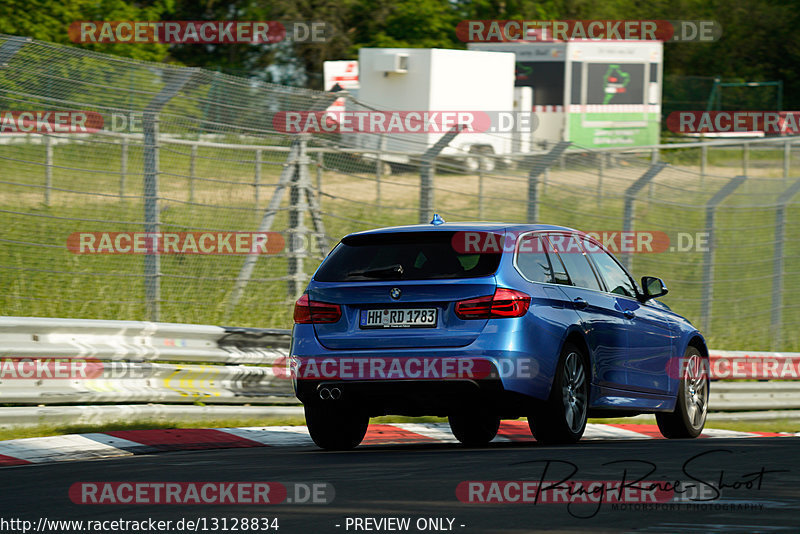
(399, 318)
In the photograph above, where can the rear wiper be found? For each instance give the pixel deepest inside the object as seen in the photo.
(380, 272)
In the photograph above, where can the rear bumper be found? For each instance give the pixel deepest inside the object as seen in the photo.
(413, 397)
(425, 381)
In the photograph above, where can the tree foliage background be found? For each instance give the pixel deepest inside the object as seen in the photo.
(759, 41)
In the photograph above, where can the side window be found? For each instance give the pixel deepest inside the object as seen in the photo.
(532, 260)
(559, 271)
(615, 277)
(574, 258)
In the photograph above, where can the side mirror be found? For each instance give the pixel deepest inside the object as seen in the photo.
(653, 287)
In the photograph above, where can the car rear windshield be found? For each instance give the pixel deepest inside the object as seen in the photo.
(403, 256)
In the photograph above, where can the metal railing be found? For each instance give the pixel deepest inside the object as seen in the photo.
(69, 361)
(93, 362)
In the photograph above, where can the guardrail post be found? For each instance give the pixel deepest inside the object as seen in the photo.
(708, 261)
(777, 263)
(540, 164)
(48, 167)
(152, 264)
(630, 197)
(426, 174)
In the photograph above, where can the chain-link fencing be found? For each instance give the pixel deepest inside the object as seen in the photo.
(204, 156)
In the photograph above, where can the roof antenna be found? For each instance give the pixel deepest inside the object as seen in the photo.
(437, 220)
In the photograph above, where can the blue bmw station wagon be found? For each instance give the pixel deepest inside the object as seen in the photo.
(481, 322)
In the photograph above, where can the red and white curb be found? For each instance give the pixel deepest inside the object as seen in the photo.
(131, 442)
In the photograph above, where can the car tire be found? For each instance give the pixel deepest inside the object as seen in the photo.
(474, 428)
(561, 419)
(691, 406)
(335, 426)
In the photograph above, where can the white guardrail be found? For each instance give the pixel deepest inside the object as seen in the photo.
(78, 361)
(71, 361)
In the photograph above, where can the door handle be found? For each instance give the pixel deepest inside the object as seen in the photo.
(580, 303)
(628, 314)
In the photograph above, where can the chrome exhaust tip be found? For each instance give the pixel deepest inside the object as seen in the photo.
(336, 394)
(324, 394)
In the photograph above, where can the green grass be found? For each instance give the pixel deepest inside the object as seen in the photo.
(44, 279)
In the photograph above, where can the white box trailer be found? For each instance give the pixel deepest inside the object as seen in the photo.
(435, 80)
(593, 93)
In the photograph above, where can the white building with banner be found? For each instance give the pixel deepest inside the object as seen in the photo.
(593, 93)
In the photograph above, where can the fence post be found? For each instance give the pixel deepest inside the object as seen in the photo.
(426, 174)
(152, 264)
(123, 167)
(257, 179)
(745, 158)
(320, 168)
(192, 172)
(703, 162)
(787, 157)
(708, 261)
(630, 197)
(540, 165)
(379, 169)
(297, 233)
(480, 190)
(777, 264)
(48, 168)
(601, 167)
(249, 264)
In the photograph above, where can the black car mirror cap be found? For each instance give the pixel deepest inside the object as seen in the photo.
(653, 287)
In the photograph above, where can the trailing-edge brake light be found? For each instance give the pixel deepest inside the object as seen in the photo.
(504, 303)
(307, 311)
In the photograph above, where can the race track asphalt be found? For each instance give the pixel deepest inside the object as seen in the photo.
(419, 481)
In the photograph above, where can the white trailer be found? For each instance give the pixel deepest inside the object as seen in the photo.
(435, 80)
(593, 93)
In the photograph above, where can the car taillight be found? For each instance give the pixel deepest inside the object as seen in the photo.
(504, 303)
(308, 311)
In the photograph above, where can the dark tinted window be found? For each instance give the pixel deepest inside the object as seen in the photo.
(572, 254)
(403, 256)
(616, 279)
(532, 260)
